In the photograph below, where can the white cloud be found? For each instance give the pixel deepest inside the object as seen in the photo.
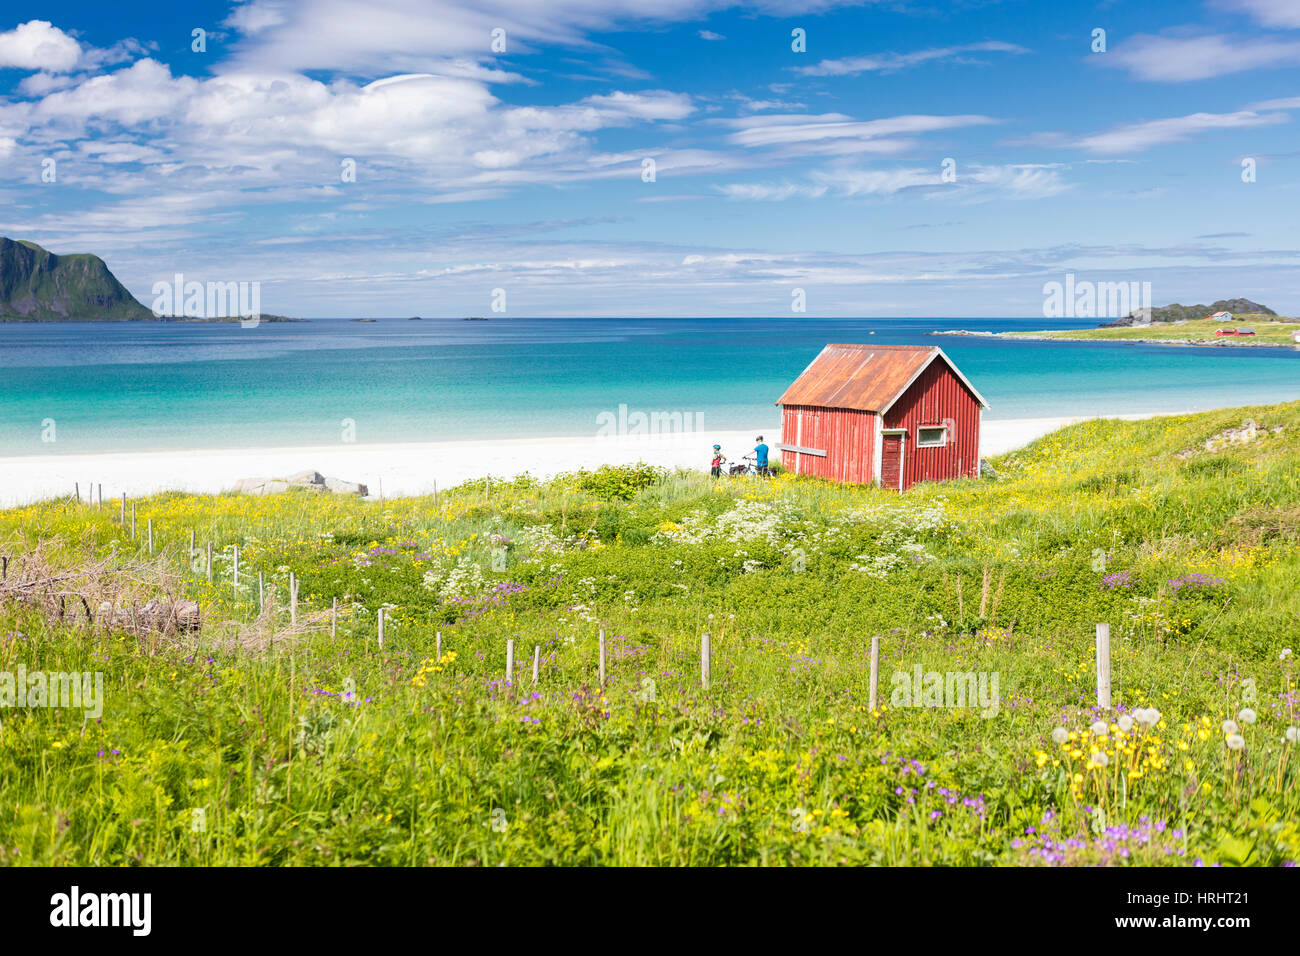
(1271, 13)
(771, 192)
(651, 105)
(752, 105)
(38, 84)
(1178, 58)
(892, 62)
(255, 16)
(121, 152)
(976, 183)
(710, 35)
(438, 138)
(831, 133)
(415, 35)
(876, 182)
(144, 91)
(94, 58)
(39, 45)
(412, 35)
(1136, 137)
(1288, 103)
(1013, 181)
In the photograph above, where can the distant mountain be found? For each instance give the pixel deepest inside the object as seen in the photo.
(1180, 313)
(36, 285)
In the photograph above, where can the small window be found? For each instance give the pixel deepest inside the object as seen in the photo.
(935, 436)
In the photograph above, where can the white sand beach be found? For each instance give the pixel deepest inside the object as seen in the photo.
(409, 468)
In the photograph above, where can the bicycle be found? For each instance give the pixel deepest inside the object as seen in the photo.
(749, 469)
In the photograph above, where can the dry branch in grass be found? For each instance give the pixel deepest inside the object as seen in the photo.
(267, 630)
(132, 593)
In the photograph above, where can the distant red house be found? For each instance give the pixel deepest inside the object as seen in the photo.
(890, 415)
(1220, 333)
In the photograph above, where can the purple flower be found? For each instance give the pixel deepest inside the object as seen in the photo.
(1120, 579)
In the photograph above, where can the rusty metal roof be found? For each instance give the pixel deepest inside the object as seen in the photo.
(865, 377)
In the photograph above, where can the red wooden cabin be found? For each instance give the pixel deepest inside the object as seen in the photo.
(891, 415)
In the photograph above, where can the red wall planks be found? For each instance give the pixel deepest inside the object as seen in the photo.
(846, 435)
(938, 397)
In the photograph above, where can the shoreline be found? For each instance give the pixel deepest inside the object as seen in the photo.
(412, 468)
(1063, 335)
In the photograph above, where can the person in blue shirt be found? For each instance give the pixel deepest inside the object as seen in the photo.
(760, 456)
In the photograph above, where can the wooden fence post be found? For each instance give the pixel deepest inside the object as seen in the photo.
(150, 523)
(76, 489)
(437, 645)
(261, 593)
(602, 658)
(122, 519)
(510, 660)
(875, 668)
(381, 628)
(537, 662)
(209, 562)
(706, 653)
(1103, 666)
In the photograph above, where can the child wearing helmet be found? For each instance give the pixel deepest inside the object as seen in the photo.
(718, 458)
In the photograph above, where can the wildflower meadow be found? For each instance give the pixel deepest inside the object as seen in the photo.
(518, 671)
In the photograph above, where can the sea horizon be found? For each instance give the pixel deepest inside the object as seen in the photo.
(83, 387)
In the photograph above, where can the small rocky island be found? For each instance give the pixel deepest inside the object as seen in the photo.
(1186, 313)
(1226, 323)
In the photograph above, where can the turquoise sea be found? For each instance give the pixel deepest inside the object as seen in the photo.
(144, 386)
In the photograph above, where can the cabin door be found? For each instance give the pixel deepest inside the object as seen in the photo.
(891, 460)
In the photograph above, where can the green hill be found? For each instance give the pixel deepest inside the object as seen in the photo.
(1185, 313)
(37, 285)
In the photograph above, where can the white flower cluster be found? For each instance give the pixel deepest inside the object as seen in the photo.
(905, 551)
(745, 521)
(750, 521)
(464, 580)
(542, 539)
(916, 517)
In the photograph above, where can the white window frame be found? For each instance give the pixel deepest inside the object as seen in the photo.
(922, 429)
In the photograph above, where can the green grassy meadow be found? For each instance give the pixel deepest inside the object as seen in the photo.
(1269, 330)
(258, 741)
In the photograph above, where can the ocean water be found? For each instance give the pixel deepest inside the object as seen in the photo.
(140, 387)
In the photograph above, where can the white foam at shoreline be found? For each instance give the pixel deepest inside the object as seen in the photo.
(411, 468)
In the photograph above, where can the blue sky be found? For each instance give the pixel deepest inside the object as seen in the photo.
(774, 170)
